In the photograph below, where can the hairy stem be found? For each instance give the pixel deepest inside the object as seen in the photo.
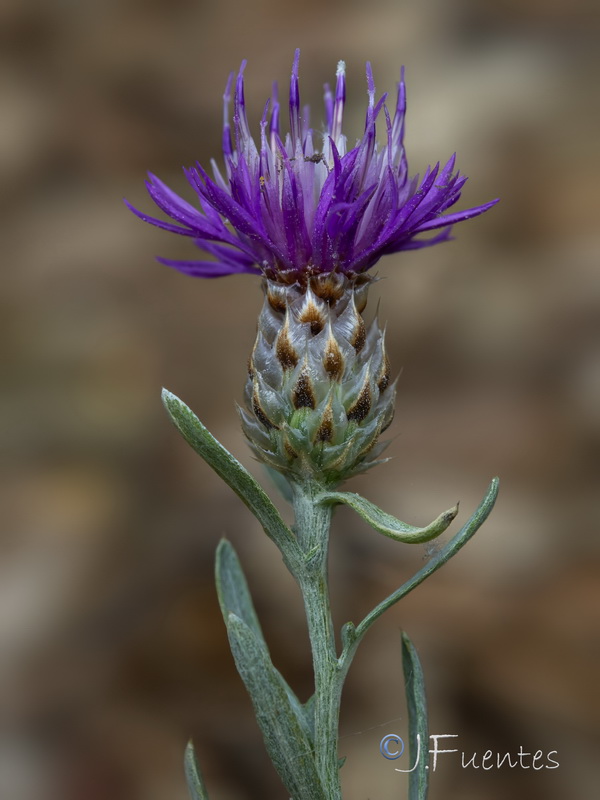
(312, 531)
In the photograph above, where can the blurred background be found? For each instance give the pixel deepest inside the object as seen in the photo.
(112, 649)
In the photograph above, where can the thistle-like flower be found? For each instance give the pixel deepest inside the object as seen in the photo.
(312, 216)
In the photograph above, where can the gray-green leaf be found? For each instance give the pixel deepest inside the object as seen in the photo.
(281, 482)
(232, 588)
(418, 729)
(285, 738)
(388, 525)
(234, 598)
(193, 775)
(458, 541)
(232, 472)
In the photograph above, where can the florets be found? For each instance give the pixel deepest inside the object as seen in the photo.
(304, 204)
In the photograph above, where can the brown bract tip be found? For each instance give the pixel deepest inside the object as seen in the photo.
(287, 356)
(328, 288)
(360, 334)
(384, 378)
(333, 360)
(325, 431)
(362, 406)
(276, 297)
(304, 396)
(259, 413)
(314, 316)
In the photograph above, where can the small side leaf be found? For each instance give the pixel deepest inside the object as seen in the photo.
(348, 634)
(234, 598)
(232, 472)
(418, 729)
(193, 775)
(309, 713)
(286, 741)
(388, 525)
(438, 560)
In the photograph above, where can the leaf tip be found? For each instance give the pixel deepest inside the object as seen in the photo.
(189, 751)
(449, 515)
(166, 395)
(493, 488)
(193, 775)
(348, 634)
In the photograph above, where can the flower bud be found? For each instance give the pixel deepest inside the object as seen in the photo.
(318, 393)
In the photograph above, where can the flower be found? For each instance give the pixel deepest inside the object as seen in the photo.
(306, 205)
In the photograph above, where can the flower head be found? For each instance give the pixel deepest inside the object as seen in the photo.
(304, 205)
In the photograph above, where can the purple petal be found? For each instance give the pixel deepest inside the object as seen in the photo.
(167, 226)
(295, 99)
(459, 216)
(205, 269)
(285, 206)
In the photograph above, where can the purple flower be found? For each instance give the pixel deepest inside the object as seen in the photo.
(306, 204)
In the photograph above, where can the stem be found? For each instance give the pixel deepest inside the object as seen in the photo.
(312, 531)
(313, 520)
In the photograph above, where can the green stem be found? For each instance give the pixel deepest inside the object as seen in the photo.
(312, 530)
(313, 519)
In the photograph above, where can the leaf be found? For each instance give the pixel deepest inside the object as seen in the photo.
(193, 775)
(232, 589)
(309, 713)
(285, 738)
(234, 598)
(232, 472)
(436, 561)
(348, 634)
(418, 729)
(385, 523)
(281, 482)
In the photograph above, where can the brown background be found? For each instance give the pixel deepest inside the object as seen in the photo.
(112, 649)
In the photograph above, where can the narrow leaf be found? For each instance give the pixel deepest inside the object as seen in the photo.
(285, 738)
(309, 713)
(232, 472)
(436, 561)
(348, 634)
(418, 729)
(281, 482)
(232, 589)
(388, 525)
(234, 598)
(193, 775)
